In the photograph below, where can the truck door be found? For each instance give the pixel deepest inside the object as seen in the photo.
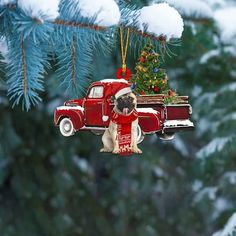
(94, 106)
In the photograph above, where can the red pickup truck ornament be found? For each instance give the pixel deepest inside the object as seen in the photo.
(92, 113)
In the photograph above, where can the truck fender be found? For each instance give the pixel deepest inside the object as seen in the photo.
(149, 122)
(76, 116)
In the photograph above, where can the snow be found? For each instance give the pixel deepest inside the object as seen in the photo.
(196, 8)
(107, 12)
(230, 227)
(230, 117)
(4, 49)
(71, 108)
(4, 2)
(196, 91)
(216, 53)
(180, 145)
(216, 3)
(209, 192)
(203, 125)
(197, 185)
(210, 54)
(229, 87)
(82, 164)
(216, 145)
(206, 97)
(161, 20)
(231, 177)
(175, 123)
(158, 171)
(221, 204)
(216, 233)
(114, 81)
(226, 21)
(147, 110)
(214, 125)
(40, 9)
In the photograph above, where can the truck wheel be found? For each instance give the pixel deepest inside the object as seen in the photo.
(66, 127)
(140, 135)
(166, 136)
(97, 132)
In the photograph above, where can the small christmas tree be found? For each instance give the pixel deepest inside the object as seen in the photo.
(149, 78)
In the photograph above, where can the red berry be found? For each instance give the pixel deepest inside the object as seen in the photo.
(156, 89)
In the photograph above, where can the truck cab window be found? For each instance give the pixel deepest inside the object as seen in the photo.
(96, 92)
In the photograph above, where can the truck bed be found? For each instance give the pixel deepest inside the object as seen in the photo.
(178, 111)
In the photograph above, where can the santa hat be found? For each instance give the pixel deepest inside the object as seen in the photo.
(123, 92)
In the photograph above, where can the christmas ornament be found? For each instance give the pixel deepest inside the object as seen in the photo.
(155, 70)
(156, 89)
(153, 115)
(142, 59)
(143, 53)
(164, 81)
(133, 86)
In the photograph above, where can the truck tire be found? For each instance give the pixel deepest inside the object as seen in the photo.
(66, 127)
(166, 136)
(97, 132)
(140, 135)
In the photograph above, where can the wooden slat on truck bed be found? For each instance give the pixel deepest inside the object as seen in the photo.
(158, 99)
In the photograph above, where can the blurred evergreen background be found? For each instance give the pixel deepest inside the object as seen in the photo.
(51, 185)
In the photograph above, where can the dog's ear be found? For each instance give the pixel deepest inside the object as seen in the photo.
(135, 99)
(113, 98)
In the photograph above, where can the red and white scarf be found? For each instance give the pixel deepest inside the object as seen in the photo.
(124, 129)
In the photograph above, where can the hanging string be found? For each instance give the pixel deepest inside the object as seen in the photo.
(124, 48)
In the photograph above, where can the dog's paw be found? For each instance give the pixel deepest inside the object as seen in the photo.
(137, 150)
(105, 150)
(116, 151)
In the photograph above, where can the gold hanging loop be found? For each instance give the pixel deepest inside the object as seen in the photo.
(124, 48)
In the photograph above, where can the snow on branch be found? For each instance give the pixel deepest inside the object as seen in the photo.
(42, 10)
(226, 21)
(192, 9)
(161, 20)
(216, 145)
(229, 229)
(5, 2)
(105, 12)
(3, 49)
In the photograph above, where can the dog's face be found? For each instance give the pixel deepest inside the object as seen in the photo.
(126, 103)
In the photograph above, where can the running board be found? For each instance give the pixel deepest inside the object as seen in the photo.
(93, 128)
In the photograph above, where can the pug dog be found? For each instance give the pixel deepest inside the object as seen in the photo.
(124, 103)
